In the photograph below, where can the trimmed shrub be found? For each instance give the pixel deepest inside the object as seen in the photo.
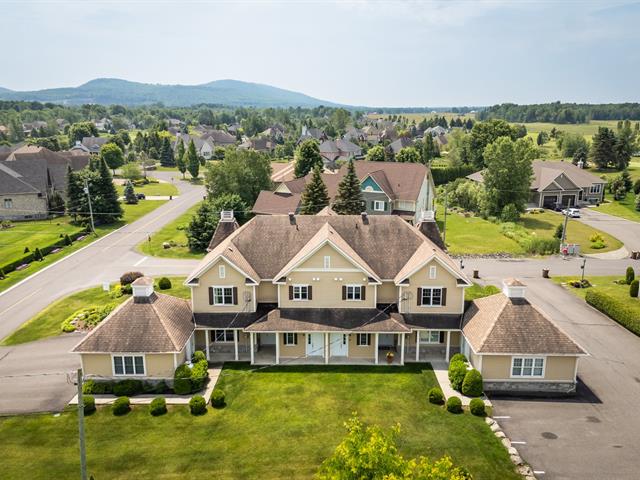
(449, 174)
(164, 283)
(476, 407)
(121, 406)
(436, 396)
(182, 380)
(127, 388)
(559, 230)
(89, 404)
(96, 388)
(636, 187)
(198, 356)
(197, 405)
(199, 375)
(458, 357)
(457, 372)
(630, 275)
(37, 255)
(218, 399)
(472, 384)
(128, 278)
(158, 406)
(510, 213)
(633, 288)
(614, 309)
(454, 405)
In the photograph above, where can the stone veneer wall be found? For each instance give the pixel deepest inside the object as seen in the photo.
(515, 388)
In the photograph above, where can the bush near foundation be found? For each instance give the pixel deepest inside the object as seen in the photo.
(472, 384)
(614, 309)
(457, 372)
(158, 406)
(197, 405)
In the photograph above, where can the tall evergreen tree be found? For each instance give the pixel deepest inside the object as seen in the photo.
(205, 221)
(624, 146)
(166, 153)
(130, 196)
(75, 193)
(179, 150)
(349, 200)
(104, 197)
(315, 196)
(428, 149)
(193, 162)
(603, 148)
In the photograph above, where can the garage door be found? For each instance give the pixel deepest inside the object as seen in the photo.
(549, 201)
(568, 200)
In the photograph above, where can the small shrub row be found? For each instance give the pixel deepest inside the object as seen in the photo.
(436, 396)
(126, 387)
(449, 174)
(457, 372)
(454, 405)
(614, 309)
(158, 406)
(218, 399)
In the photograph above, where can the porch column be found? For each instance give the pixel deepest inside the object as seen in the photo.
(327, 348)
(206, 343)
(277, 348)
(251, 346)
(417, 345)
(235, 344)
(376, 349)
(446, 356)
(402, 349)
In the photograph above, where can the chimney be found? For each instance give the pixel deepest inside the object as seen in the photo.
(514, 288)
(142, 290)
(292, 218)
(365, 218)
(429, 228)
(227, 216)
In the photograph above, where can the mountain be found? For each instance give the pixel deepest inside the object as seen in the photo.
(109, 91)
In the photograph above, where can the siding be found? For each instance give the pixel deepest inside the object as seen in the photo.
(356, 351)
(387, 292)
(161, 364)
(497, 367)
(98, 364)
(233, 278)
(292, 350)
(444, 279)
(267, 292)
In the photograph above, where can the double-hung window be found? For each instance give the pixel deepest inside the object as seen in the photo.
(223, 295)
(363, 339)
(354, 292)
(128, 365)
(379, 206)
(527, 367)
(430, 336)
(432, 297)
(301, 292)
(8, 203)
(223, 336)
(290, 338)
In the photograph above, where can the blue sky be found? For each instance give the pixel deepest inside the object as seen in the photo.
(376, 53)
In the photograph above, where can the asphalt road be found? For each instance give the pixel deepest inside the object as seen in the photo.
(626, 231)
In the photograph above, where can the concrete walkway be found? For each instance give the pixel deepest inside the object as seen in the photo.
(440, 368)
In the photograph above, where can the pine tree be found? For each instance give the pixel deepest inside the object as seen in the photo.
(75, 194)
(204, 222)
(104, 197)
(315, 196)
(603, 148)
(428, 149)
(349, 199)
(130, 196)
(179, 150)
(166, 153)
(192, 161)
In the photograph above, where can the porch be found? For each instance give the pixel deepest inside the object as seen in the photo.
(266, 355)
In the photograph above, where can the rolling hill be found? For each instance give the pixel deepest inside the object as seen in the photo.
(108, 91)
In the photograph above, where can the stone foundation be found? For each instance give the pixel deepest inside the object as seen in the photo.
(530, 388)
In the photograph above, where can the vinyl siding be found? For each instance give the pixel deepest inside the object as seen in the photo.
(161, 364)
(498, 367)
(356, 351)
(444, 279)
(292, 350)
(233, 278)
(267, 292)
(387, 292)
(97, 364)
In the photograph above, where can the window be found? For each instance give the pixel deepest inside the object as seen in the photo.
(527, 367)
(430, 336)
(379, 206)
(222, 271)
(432, 272)
(327, 262)
(223, 295)
(595, 188)
(223, 336)
(354, 292)
(363, 339)
(128, 365)
(301, 292)
(8, 203)
(432, 297)
(290, 338)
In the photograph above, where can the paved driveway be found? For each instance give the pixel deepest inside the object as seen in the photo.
(625, 230)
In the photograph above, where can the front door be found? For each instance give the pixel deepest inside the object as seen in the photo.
(315, 344)
(339, 344)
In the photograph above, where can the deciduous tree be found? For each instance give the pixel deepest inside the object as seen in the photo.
(307, 156)
(112, 155)
(205, 221)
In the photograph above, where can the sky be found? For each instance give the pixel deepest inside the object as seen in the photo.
(361, 52)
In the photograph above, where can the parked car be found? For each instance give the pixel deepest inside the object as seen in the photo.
(571, 212)
(140, 196)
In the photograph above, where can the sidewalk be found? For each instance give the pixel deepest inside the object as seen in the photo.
(440, 368)
(171, 399)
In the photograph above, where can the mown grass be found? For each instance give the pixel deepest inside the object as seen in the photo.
(174, 231)
(478, 291)
(604, 284)
(159, 189)
(47, 323)
(621, 208)
(278, 423)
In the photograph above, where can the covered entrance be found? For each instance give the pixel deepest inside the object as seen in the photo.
(315, 345)
(338, 345)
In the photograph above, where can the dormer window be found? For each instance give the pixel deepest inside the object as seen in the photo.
(327, 262)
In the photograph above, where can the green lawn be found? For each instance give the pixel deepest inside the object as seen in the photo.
(603, 284)
(172, 232)
(47, 322)
(278, 423)
(586, 129)
(620, 208)
(478, 291)
(160, 188)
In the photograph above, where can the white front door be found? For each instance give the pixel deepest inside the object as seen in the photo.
(339, 344)
(315, 344)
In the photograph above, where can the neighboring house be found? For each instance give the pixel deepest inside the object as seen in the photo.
(329, 289)
(259, 144)
(354, 134)
(404, 189)
(219, 138)
(275, 133)
(371, 134)
(30, 176)
(28, 128)
(399, 144)
(204, 147)
(333, 151)
(104, 124)
(148, 336)
(560, 183)
(389, 133)
(313, 133)
(516, 346)
(435, 131)
(90, 144)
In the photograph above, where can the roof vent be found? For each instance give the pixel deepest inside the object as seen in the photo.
(227, 216)
(292, 218)
(514, 288)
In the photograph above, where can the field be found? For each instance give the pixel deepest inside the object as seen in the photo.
(159, 189)
(47, 323)
(278, 423)
(586, 129)
(172, 232)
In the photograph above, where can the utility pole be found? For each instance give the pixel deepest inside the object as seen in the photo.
(86, 191)
(444, 229)
(564, 228)
(83, 453)
(584, 262)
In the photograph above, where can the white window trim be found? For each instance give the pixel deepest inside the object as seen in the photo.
(8, 203)
(326, 262)
(222, 271)
(132, 355)
(347, 293)
(215, 302)
(215, 340)
(431, 287)
(367, 340)
(595, 188)
(300, 287)
(378, 202)
(544, 367)
(428, 341)
(293, 339)
(433, 271)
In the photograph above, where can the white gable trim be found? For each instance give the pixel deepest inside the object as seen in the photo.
(443, 264)
(206, 268)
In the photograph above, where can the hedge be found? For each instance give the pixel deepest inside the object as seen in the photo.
(614, 309)
(164, 283)
(127, 388)
(197, 405)
(199, 375)
(218, 399)
(457, 372)
(182, 380)
(458, 357)
(634, 288)
(89, 404)
(449, 174)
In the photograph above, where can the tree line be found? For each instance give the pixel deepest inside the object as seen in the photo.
(562, 113)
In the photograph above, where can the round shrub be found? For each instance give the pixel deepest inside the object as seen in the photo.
(458, 357)
(217, 399)
(633, 288)
(89, 404)
(182, 380)
(454, 405)
(120, 406)
(198, 356)
(472, 384)
(128, 278)
(476, 407)
(436, 396)
(164, 283)
(457, 372)
(630, 275)
(197, 405)
(158, 406)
